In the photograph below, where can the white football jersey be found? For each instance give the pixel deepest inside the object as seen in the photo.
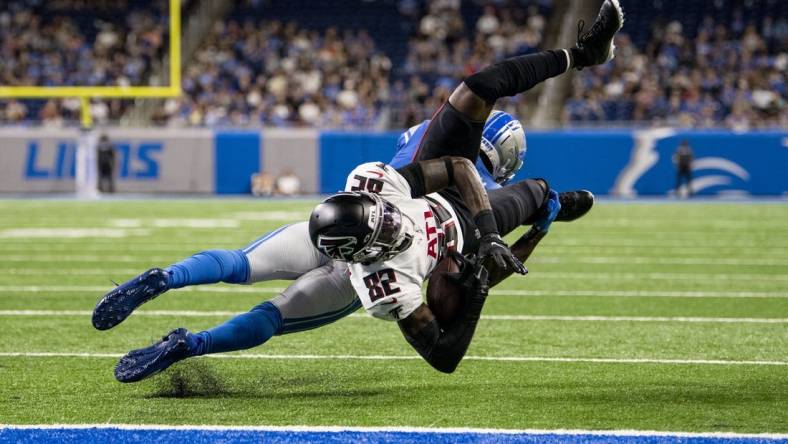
(391, 289)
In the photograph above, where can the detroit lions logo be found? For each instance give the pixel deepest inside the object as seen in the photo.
(651, 171)
(341, 248)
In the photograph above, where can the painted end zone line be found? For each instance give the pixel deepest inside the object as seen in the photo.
(414, 357)
(197, 314)
(500, 292)
(198, 434)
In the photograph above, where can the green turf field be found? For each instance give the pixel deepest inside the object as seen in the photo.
(639, 316)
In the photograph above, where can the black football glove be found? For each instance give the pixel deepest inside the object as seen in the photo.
(491, 246)
(474, 280)
(472, 275)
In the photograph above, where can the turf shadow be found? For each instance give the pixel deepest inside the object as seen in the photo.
(197, 379)
(192, 379)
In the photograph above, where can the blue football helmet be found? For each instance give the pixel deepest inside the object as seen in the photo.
(503, 146)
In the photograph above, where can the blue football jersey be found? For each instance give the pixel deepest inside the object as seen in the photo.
(408, 143)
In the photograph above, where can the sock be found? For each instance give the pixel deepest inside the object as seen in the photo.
(518, 74)
(244, 331)
(210, 267)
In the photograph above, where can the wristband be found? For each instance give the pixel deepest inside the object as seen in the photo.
(485, 222)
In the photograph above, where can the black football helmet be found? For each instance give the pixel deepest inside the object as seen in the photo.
(358, 227)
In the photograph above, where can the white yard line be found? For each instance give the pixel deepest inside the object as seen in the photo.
(502, 292)
(659, 276)
(541, 275)
(415, 357)
(643, 293)
(649, 260)
(195, 313)
(595, 260)
(447, 430)
(406, 429)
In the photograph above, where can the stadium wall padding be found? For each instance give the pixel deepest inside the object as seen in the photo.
(203, 161)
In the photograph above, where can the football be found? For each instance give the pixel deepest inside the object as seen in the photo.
(444, 296)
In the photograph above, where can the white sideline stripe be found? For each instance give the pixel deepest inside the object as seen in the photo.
(406, 429)
(197, 314)
(72, 233)
(502, 292)
(658, 276)
(643, 293)
(648, 260)
(194, 245)
(613, 260)
(414, 357)
(537, 275)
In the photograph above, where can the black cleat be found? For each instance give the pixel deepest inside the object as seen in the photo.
(595, 46)
(119, 303)
(143, 363)
(574, 205)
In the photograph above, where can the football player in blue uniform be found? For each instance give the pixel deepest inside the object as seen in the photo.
(386, 210)
(501, 155)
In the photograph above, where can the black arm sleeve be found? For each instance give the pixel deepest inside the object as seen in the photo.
(444, 349)
(415, 177)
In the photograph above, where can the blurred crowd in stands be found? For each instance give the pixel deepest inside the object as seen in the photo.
(731, 75)
(77, 43)
(253, 71)
(278, 74)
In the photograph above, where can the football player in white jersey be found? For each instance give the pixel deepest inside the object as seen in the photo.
(381, 232)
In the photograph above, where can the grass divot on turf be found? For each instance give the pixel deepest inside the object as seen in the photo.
(189, 379)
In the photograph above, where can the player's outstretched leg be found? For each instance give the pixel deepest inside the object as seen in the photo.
(241, 332)
(528, 202)
(207, 267)
(285, 253)
(456, 127)
(319, 297)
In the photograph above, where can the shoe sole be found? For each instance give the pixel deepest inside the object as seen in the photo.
(109, 311)
(620, 12)
(135, 376)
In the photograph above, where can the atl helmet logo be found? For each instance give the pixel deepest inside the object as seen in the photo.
(337, 247)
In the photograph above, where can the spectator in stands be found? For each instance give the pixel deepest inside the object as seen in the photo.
(288, 184)
(683, 158)
(106, 165)
(262, 184)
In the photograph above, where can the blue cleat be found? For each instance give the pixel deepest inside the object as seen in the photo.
(119, 303)
(143, 363)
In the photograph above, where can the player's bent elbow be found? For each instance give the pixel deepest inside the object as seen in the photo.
(462, 167)
(462, 163)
